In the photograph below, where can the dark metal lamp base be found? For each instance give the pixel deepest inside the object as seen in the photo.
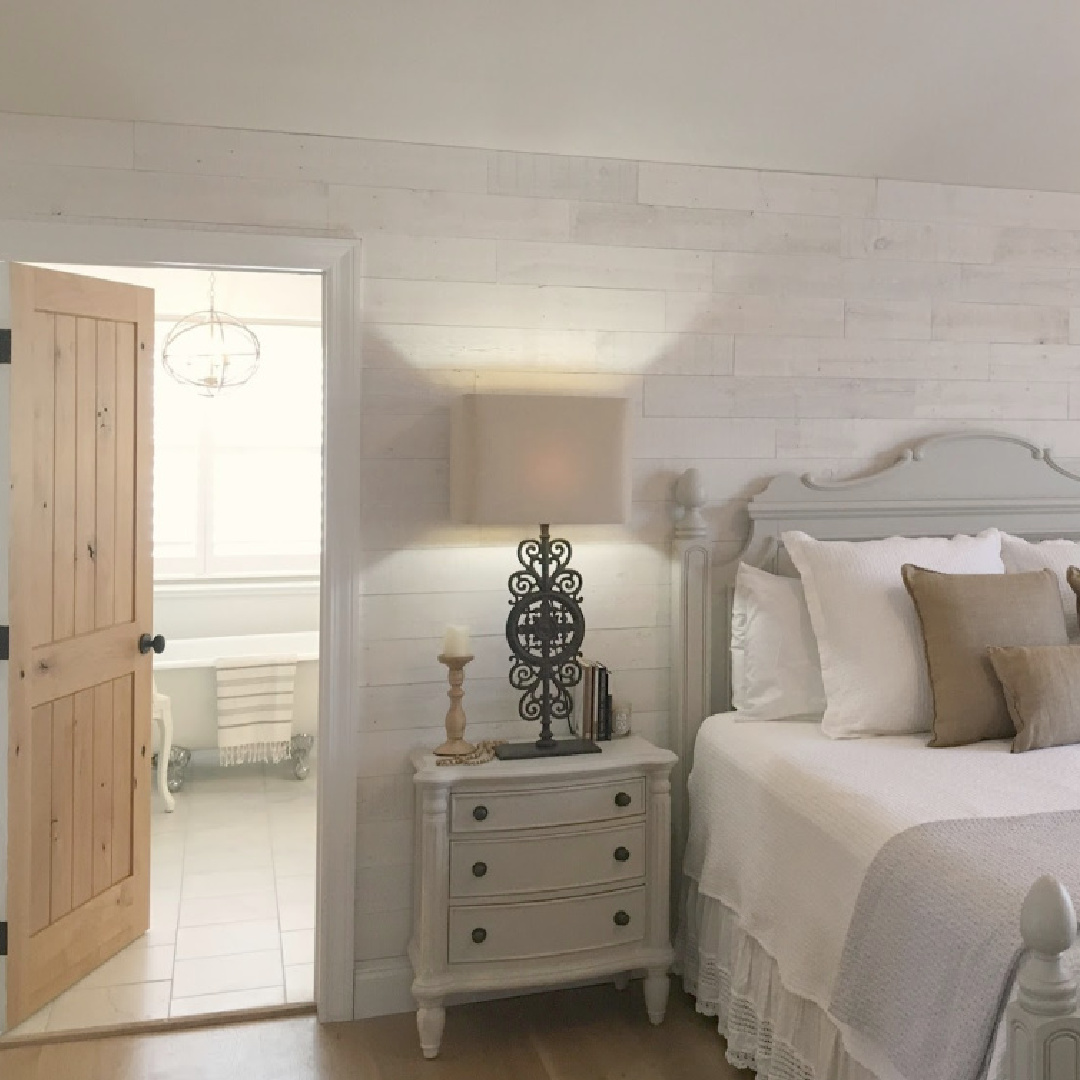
(559, 748)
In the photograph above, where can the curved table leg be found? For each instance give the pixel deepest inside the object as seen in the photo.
(656, 994)
(165, 726)
(430, 1019)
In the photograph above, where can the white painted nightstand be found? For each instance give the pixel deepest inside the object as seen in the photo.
(540, 872)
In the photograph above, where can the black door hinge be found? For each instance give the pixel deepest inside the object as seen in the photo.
(3, 939)
(5, 346)
(5, 642)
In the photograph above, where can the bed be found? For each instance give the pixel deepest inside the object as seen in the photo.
(781, 825)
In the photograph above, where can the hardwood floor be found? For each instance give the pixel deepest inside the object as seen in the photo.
(596, 1033)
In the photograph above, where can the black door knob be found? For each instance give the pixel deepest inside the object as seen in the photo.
(622, 854)
(479, 935)
(479, 812)
(479, 869)
(148, 643)
(621, 918)
(622, 799)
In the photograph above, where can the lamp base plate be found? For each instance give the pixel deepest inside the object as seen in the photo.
(561, 748)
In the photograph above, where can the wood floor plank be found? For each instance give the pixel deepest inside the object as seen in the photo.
(103, 786)
(82, 831)
(530, 1038)
(62, 806)
(40, 816)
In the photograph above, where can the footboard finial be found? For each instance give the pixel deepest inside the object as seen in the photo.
(1042, 1026)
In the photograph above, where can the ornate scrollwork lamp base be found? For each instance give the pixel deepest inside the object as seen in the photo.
(545, 630)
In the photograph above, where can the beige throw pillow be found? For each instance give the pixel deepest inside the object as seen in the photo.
(1042, 691)
(961, 616)
(1072, 576)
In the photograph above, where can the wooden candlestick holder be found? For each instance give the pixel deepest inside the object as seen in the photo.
(455, 715)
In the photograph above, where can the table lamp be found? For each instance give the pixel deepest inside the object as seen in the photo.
(532, 459)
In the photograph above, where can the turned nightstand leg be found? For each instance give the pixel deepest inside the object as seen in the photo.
(430, 1019)
(656, 993)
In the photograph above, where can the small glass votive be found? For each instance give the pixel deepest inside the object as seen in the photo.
(620, 722)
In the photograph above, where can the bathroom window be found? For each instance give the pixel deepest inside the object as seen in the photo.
(238, 477)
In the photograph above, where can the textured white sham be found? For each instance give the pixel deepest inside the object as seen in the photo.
(873, 662)
(774, 658)
(1020, 556)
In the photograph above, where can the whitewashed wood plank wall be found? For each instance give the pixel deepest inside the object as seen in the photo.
(759, 321)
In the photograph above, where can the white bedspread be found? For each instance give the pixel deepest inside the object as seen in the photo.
(785, 823)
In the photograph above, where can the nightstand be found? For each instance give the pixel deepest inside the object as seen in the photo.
(538, 873)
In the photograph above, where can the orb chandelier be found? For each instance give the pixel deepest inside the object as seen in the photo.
(211, 351)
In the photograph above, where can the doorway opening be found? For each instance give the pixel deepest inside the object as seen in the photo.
(237, 543)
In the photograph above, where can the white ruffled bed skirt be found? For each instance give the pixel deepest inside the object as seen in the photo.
(778, 1034)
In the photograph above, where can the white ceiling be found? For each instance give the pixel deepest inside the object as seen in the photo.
(973, 91)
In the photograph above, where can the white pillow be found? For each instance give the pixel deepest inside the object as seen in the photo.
(1021, 555)
(776, 673)
(873, 661)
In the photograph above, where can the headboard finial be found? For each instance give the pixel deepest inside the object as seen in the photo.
(690, 498)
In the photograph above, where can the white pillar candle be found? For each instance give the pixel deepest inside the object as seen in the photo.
(456, 641)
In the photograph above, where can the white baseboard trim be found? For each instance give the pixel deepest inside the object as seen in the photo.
(382, 987)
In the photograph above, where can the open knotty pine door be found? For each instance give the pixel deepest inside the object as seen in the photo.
(80, 596)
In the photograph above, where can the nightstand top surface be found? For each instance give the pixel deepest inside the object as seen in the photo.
(628, 752)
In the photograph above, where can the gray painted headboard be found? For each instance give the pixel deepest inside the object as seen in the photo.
(947, 484)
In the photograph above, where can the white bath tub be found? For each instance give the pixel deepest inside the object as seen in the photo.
(185, 672)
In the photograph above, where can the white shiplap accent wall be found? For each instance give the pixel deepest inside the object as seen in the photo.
(759, 321)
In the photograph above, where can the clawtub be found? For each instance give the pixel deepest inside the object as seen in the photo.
(184, 675)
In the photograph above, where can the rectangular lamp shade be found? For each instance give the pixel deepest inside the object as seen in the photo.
(532, 459)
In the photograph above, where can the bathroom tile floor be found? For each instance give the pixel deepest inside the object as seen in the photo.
(232, 907)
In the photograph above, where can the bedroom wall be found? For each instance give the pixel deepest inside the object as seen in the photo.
(759, 321)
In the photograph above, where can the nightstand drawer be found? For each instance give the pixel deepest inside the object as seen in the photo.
(481, 933)
(492, 811)
(547, 863)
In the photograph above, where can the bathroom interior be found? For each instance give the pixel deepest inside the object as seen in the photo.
(237, 543)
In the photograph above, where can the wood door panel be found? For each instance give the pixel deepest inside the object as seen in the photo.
(40, 816)
(64, 471)
(103, 786)
(123, 706)
(126, 382)
(80, 596)
(62, 799)
(43, 413)
(104, 557)
(81, 797)
(82, 830)
(86, 474)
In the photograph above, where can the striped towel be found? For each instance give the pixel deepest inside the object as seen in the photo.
(255, 709)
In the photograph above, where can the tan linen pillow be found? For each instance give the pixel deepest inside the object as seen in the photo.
(961, 616)
(1042, 691)
(1072, 576)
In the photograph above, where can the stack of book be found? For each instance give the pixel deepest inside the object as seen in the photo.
(592, 704)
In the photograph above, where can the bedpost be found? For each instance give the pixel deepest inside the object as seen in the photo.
(1042, 1026)
(691, 652)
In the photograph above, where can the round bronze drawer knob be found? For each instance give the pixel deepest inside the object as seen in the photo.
(621, 919)
(622, 799)
(479, 869)
(622, 854)
(479, 812)
(479, 935)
